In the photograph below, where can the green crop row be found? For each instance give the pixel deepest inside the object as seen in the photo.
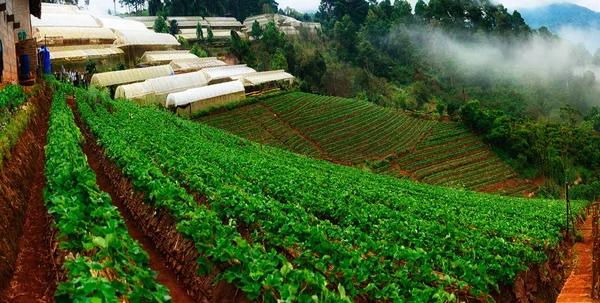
(104, 264)
(362, 234)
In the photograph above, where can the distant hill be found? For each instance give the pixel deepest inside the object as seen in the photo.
(557, 16)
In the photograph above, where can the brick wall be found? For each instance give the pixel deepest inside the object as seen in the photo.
(29, 47)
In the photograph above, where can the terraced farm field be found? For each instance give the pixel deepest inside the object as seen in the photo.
(357, 133)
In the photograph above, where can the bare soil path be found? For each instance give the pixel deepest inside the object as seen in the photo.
(34, 279)
(578, 287)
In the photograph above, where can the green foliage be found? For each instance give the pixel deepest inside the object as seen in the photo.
(120, 66)
(345, 33)
(90, 67)
(91, 228)
(14, 118)
(313, 208)
(210, 37)
(240, 48)
(198, 51)
(257, 30)
(272, 39)
(278, 61)
(173, 27)
(160, 25)
(183, 42)
(199, 32)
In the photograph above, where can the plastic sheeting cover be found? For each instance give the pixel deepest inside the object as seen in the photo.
(121, 24)
(85, 52)
(234, 72)
(145, 37)
(184, 65)
(131, 91)
(177, 82)
(130, 76)
(264, 77)
(64, 20)
(166, 56)
(203, 93)
(53, 35)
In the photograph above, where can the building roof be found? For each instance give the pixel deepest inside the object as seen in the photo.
(130, 75)
(145, 37)
(165, 57)
(234, 72)
(188, 65)
(265, 77)
(35, 8)
(204, 93)
(223, 22)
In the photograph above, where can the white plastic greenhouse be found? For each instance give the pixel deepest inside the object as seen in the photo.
(155, 91)
(266, 77)
(196, 64)
(116, 23)
(51, 8)
(130, 76)
(64, 20)
(165, 57)
(74, 36)
(144, 38)
(84, 52)
(203, 98)
(234, 72)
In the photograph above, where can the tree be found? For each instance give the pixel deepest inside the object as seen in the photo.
(211, 36)
(596, 59)
(569, 115)
(154, 6)
(183, 42)
(160, 25)
(344, 34)
(199, 32)
(90, 67)
(199, 52)
(240, 48)
(257, 30)
(279, 61)
(272, 38)
(173, 27)
(421, 10)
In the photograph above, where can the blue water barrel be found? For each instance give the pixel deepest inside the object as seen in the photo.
(25, 67)
(45, 56)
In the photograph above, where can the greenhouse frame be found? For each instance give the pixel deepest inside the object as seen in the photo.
(57, 36)
(130, 76)
(267, 77)
(204, 98)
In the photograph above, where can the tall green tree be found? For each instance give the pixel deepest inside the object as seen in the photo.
(257, 30)
(160, 25)
(173, 27)
(345, 33)
(199, 32)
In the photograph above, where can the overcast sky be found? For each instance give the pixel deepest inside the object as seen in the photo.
(312, 5)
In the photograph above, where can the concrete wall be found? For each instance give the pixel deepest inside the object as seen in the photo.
(9, 55)
(22, 16)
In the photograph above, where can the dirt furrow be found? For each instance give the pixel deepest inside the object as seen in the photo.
(34, 278)
(157, 261)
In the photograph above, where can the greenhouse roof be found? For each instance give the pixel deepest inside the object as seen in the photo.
(264, 77)
(130, 76)
(223, 22)
(64, 20)
(145, 37)
(58, 35)
(116, 23)
(83, 52)
(203, 93)
(186, 65)
(51, 8)
(131, 91)
(234, 72)
(166, 56)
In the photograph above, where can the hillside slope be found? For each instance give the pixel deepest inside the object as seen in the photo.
(559, 15)
(358, 133)
(283, 226)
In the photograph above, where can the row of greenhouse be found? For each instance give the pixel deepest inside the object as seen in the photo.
(212, 84)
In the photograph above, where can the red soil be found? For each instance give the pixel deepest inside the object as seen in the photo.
(578, 287)
(34, 278)
(158, 263)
